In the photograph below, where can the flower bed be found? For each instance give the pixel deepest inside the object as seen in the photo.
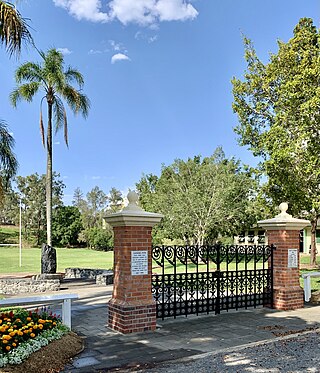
(23, 332)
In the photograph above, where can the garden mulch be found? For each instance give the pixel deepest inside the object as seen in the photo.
(51, 358)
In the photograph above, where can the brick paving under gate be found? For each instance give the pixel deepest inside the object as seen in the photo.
(203, 279)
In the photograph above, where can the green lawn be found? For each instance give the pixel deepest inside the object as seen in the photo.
(85, 258)
(9, 234)
(82, 258)
(315, 281)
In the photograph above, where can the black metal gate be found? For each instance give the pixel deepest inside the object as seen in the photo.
(202, 279)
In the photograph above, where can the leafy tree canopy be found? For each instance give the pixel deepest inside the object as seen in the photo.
(278, 106)
(201, 199)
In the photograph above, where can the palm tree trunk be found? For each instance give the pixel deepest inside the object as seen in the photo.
(49, 175)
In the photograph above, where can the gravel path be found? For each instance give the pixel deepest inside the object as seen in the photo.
(295, 354)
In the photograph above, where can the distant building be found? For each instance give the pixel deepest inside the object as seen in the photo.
(253, 236)
(257, 236)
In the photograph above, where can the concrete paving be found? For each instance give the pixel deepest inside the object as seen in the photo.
(106, 350)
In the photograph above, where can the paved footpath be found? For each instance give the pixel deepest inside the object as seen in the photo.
(208, 343)
(182, 340)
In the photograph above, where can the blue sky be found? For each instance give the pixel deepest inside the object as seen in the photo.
(158, 75)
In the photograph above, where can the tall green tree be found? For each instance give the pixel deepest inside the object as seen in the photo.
(93, 208)
(78, 199)
(32, 191)
(51, 77)
(115, 200)
(201, 199)
(278, 106)
(13, 28)
(66, 225)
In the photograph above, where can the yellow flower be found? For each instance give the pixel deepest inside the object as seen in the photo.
(40, 321)
(7, 337)
(54, 323)
(14, 344)
(4, 341)
(0, 321)
(32, 335)
(10, 330)
(12, 334)
(20, 333)
(8, 348)
(28, 318)
(40, 326)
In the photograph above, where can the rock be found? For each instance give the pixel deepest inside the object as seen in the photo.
(315, 297)
(48, 259)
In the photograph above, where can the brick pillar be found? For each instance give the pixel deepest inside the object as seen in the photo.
(132, 308)
(283, 232)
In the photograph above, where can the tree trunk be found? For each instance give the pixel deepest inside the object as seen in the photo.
(49, 175)
(313, 251)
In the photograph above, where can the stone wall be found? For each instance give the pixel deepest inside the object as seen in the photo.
(20, 286)
(83, 273)
(106, 278)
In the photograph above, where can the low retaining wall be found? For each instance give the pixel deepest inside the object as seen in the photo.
(106, 278)
(20, 286)
(83, 273)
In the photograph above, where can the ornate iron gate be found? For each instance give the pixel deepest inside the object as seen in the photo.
(203, 279)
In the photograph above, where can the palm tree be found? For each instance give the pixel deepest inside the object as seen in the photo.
(8, 162)
(51, 77)
(13, 28)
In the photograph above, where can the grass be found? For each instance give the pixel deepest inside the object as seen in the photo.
(85, 258)
(31, 259)
(9, 234)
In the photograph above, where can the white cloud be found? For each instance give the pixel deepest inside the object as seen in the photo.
(177, 10)
(152, 39)
(116, 46)
(141, 36)
(57, 143)
(64, 51)
(89, 10)
(94, 51)
(119, 57)
(143, 12)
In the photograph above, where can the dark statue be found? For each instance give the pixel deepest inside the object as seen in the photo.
(48, 259)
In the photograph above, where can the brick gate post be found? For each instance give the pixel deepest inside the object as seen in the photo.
(283, 232)
(132, 307)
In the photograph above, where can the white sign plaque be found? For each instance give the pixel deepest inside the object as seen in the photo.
(293, 258)
(139, 263)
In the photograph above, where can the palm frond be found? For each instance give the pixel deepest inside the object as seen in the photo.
(41, 124)
(53, 68)
(65, 127)
(77, 101)
(58, 109)
(60, 117)
(29, 71)
(25, 91)
(13, 28)
(73, 75)
(8, 161)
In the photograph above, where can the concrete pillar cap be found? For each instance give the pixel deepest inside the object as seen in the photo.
(133, 214)
(283, 221)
